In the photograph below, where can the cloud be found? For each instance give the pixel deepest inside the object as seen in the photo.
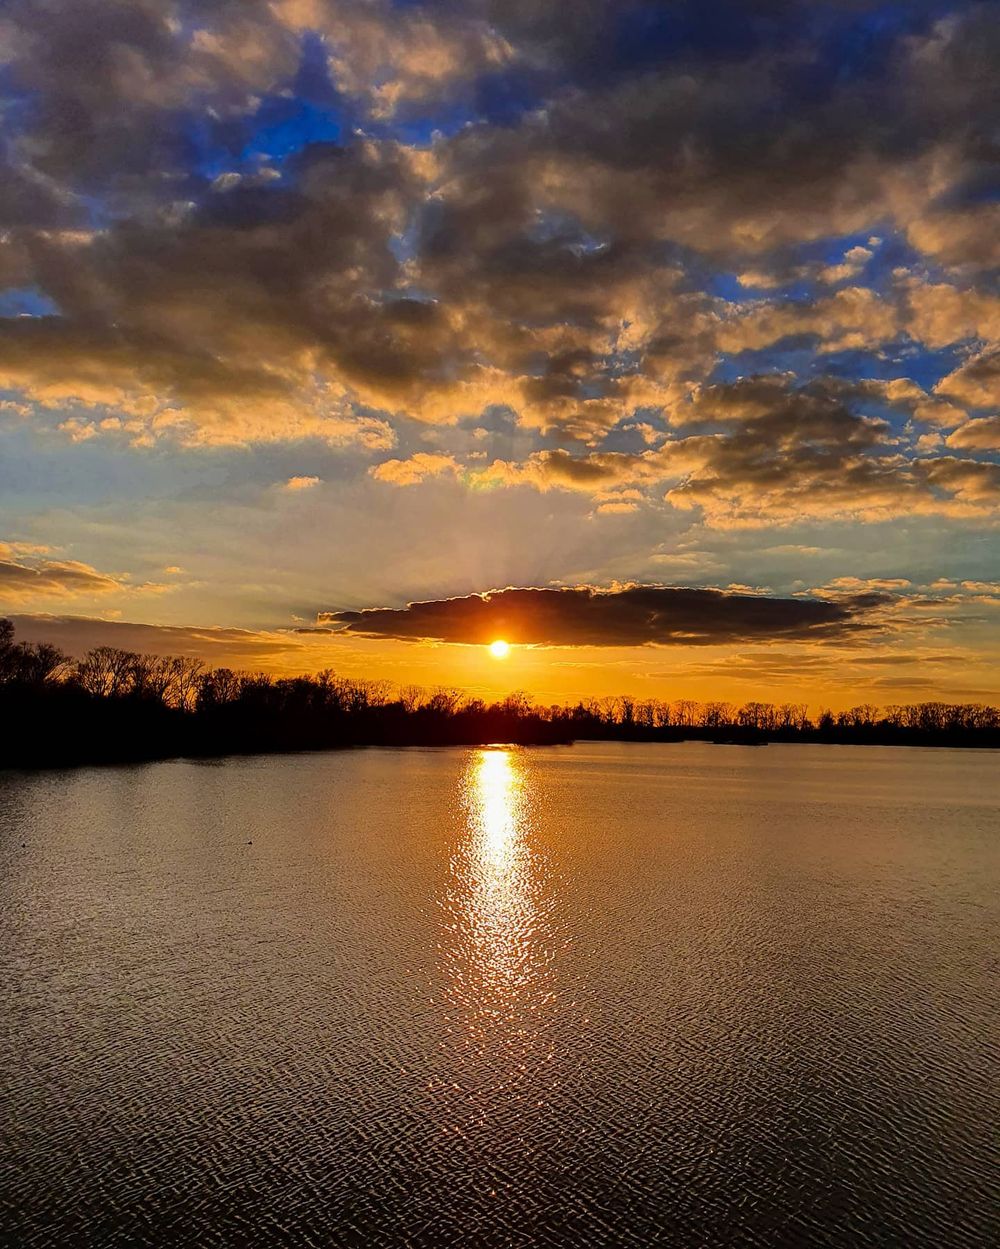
(217, 646)
(416, 469)
(238, 225)
(976, 383)
(23, 580)
(28, 573)
(852, 317)
(938, 314)
(396, 60)
(321, 293)
(963, 237)
(111, 80)
(616, 507)
(982, 587)
(779, 453)
(744, 160)
(167, 388)
(853, 586)
(855, 259)
(981, 434)
(769, 667)
(296, 484)
(633, 616)
(546, 470)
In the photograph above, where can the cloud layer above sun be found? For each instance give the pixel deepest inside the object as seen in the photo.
(340, 304)
(633, 616)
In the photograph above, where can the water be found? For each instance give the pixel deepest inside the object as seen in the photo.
(600, 995)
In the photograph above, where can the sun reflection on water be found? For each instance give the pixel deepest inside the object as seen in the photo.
(498, 956)
(497, 809)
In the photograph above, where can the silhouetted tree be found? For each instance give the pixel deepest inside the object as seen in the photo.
(28, 663)
(117, 705)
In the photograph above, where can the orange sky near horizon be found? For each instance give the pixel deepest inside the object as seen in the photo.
(819, 675)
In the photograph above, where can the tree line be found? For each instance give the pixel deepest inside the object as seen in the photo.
(116, 706)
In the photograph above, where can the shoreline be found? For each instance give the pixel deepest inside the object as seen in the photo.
(221, 756)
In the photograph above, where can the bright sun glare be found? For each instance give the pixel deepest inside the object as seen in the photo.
(499, 649)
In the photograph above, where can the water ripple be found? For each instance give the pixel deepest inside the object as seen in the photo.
(607, 995)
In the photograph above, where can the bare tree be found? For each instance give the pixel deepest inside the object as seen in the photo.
(107, 671)
(684, 712)
(517, 703)
(411, 697)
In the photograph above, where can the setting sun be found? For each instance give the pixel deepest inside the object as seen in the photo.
(499, 649)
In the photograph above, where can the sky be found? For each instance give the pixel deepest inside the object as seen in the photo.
(659, 338)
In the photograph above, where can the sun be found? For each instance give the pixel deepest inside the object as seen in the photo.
(499, 649)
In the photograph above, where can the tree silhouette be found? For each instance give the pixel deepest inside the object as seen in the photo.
(117, 705)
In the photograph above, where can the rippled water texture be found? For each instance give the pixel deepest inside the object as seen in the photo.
(601, 995)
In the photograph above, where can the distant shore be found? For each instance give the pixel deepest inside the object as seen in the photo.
(42, 750)
(118, 706)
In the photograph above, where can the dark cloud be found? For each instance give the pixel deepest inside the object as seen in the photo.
(800, 137)
(976, 384)
(775, 452)
(634, 616)
(78, 634)
(105, 88)
(41, 578)
(223, 320)
(223, 277)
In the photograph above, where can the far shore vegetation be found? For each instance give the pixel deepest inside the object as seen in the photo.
(118, 706)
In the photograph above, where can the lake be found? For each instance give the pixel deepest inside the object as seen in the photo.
(608, 994)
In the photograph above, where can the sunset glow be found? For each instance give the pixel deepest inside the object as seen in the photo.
(338, 336)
